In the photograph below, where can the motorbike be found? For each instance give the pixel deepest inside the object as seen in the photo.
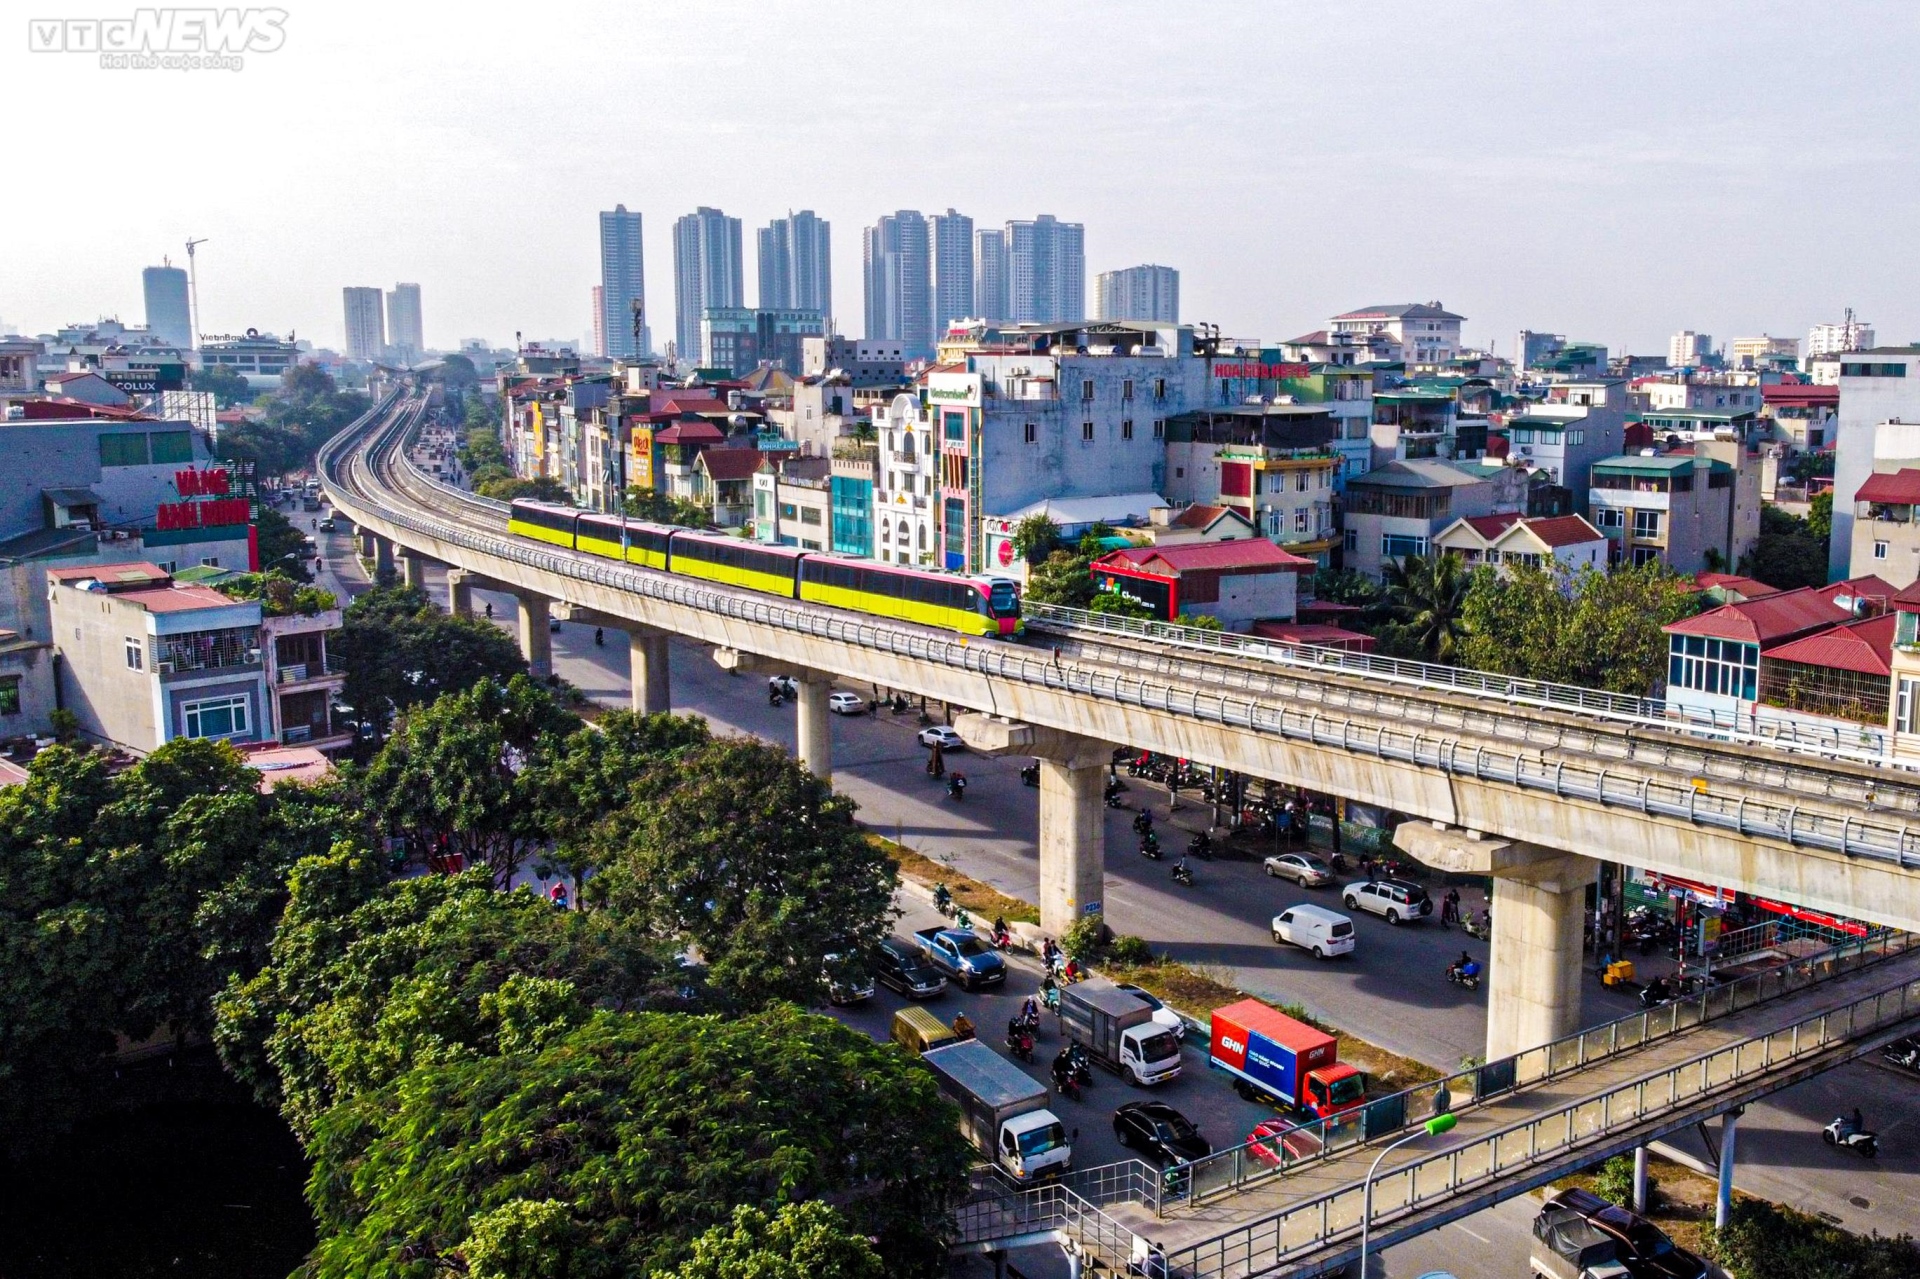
(1201, 846)
(956, 787)
(1143, 824)
(1461, 975)
(1480, 926)
(1064, 1080)
(962, 920)
(1114, 800)
(1150, 847)
(1904, 1053)
(1002, 938)
(899, 705)
(1844, 1132)
(1020, 1041)
(599, 637)
(1030, 775)
(943, 899)
(1339, 863)
(1182, 875)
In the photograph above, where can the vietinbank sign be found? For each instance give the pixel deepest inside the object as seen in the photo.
(958, 389)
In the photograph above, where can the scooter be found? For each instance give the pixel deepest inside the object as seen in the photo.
(1480, 926)
(1201, 846)
(956, 787)
(1020, 1041)
(1143, 824)
(1150, 846)
(943, 899)
(1462, 976)
(1065, 1081)
(1843, 1132)
(1113, 798)
(1182, 875)
(1030, 775)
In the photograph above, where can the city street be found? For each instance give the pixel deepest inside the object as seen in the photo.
(1391, 991)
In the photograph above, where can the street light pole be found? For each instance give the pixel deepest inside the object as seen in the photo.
(1432, 1128)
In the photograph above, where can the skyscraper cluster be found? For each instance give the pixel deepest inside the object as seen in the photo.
(924, 273)
(796, 264)
(707, 272)
(390, 332)
(620, 301)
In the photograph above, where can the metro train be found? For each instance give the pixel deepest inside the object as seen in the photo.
(970, 605)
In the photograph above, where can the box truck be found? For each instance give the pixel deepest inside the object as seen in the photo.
(1118, 1031)
(1002, 1110)
(1272, 1056)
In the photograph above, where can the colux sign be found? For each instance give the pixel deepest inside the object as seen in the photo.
(1260, 372)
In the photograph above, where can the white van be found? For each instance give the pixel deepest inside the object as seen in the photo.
(1315, 928)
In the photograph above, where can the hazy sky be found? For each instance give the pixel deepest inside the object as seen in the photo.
(1613, 171)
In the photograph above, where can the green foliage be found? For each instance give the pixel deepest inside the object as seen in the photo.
(1062, 578)
(511, 488)
(1114, 604)
(1614, 1181)
(1084, 937)
(590, 777)
(457, 372)
(658, 508)
(1346, 586)
(306, 412)
(453, 776)
(127, 901)
(1789, 553)
(1764, 1241)
(1426, 594)
(279, 595)
(283, 548)
(480, 449)
(1131, 950)
(1035, 537)
(612, 1147)
(1598, 630)
(368, 979)
(1820, 515)
(744, 855)
(802, 1241)
(398, 651)
(228, 386)
(1202, 621)
(1807, 466)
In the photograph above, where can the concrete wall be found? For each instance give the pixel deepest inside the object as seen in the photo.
(32, 666)
(44, 455)
(1866, 403)
(114, 702)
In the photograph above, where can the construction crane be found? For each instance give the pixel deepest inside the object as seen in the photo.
(193, 283)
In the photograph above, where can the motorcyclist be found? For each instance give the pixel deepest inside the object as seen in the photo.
(1000, 934)
(1063, 1068)
(1465, 966)
(942, 897)
(963, 1026)
(1182, 872)
(599, 637)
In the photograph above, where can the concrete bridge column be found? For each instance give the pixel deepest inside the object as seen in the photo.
(460, 592)
(814, 727)
(413, 569)
(366, 544)
(536, 641)
(1539, 904)
(1073, 816)
(1729, 1129)
(382, 557)
(652, 684)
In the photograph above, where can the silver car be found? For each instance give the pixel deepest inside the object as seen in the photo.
(1303, 869)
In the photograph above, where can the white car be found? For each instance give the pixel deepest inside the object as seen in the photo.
(846, 704)
(1162, 1015)
(942, 736)
(1395, 900)
(1314, 928)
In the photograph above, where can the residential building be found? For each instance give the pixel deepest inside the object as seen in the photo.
(906, 483)
(707, 273)
(1397, 509)
(742, 339)
(1041, 412)
(1675, 508)
(1416, 332)
(850, 492)
(1886, 535)
(169, 316)
(1689, 350)
(1714, 659)
(1273, 464)
(1836, 339)
(1245, 375)
(1046, 271)
(1799, 414)
(405, 333)
(1177, 526)
(1150, 293)
(723, 483)
(144, 660)
(1573, 361)
(1503, 541)
(898, 263)
(1878, 422)
(20, 366)
(27, 697)
(1763, 352)
(259, 357)
(1238, 582)
(366, 323)
(793, 502)
(622, 295)
(1903, 669)
(303, 680)
(83, 386)
(796, 264)
(1564, 440)
(866, 362)
(1694, 391)
(952, 269)
(990, 276)
(1530, 348)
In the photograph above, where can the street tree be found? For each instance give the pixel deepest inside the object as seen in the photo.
(593, 774)
(1425, 594)
(802, 1241)
(754, 862)
(399, 651)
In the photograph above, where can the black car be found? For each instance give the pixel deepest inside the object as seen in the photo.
(900, 966)
(1157, 1129)
(1644, 1248)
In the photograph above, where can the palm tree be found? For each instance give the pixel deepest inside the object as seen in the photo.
(1427, 593)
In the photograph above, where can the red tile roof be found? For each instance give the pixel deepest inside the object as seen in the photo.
(730, 464)
(689, 433)
(1898, 488)
(1492, 526)
(1315, 633)
(132, 573)
(1869, 587)
(1198, 516)
(1565, 530)
(1252, 552)
(1777, 618)
(1745, 586)
(181, 599)
(1800, 394)
(1864, 647)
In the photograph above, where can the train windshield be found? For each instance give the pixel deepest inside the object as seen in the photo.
(1004, 599)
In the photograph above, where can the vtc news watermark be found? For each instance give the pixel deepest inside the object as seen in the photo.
(164, 39)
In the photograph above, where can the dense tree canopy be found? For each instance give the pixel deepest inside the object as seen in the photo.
(279, 595)
(399, 651)
(305, 412)
(1791, 552)
(1426, 594)
(755, 862)
(510, 488)
(604, 1144)
(652, 504)
(282, 547)
(584, 782)
(802, 1241)
(1598, 630)
(126, 901)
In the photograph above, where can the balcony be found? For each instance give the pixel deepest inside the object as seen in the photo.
(307, 673)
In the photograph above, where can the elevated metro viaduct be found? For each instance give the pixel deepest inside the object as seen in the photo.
(1828, 834)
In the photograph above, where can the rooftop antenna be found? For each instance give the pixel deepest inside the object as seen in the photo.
(193, 283)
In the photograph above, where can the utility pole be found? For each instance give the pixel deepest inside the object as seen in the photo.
(193, 283)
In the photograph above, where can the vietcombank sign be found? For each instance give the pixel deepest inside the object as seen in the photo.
(960, 389)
